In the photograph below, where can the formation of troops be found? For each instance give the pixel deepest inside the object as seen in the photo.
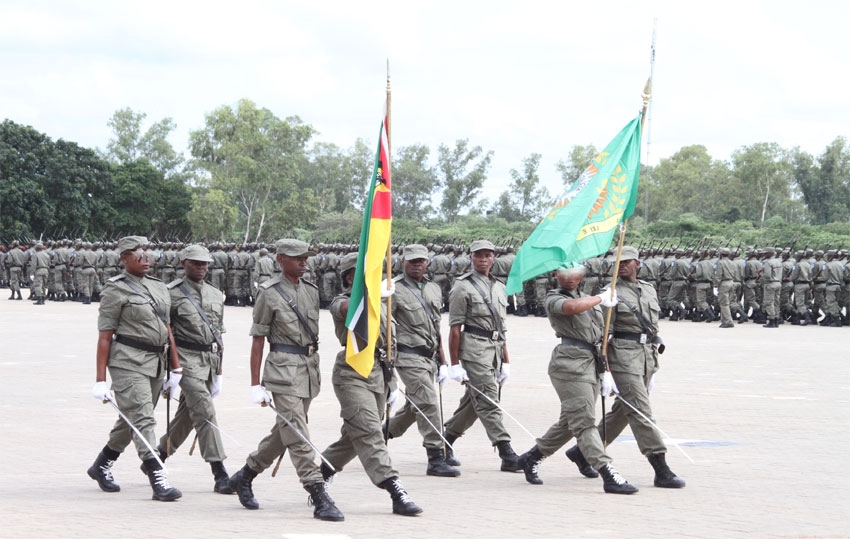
(161, 320)
(769, 286)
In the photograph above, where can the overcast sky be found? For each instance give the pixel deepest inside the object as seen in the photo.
(512, 77)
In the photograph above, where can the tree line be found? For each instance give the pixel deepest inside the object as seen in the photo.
(248, 175)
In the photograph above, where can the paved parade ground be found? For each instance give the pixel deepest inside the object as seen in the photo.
(763, 413)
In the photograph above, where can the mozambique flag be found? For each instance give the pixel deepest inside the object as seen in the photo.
(582, 223)
(364, 310)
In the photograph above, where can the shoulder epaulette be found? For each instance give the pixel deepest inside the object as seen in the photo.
(305, 281)
(116, 278)
(271, 282)
(175, 283)
(464, 276)
(398, 278)
(153, 278)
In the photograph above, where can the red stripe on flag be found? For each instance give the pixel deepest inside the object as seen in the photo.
(382, 205)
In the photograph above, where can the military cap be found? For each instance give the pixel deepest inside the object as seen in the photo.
(629, 253)
(347, 262)
(479, 245)
(131, 243)
(798, 253)
(818, 253)
(724, 251)
(415, 251)
(196, 252)
(264, 251)
(832, 252)
(293, 247)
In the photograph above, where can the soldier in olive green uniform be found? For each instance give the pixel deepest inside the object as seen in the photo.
(420, 357)
(42, 268)
(15, 263)
(577, 321)
(801, 276)
(479, 353)
(633, 360)
(363, 402)
(88, 274)
(724, 277)
(287, 315)
(200, 356)
(772, 282)
(132, 343)
(834, 270)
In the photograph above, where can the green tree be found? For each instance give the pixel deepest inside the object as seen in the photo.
(525, 199)
(461, 174)
(253, 156)
(129, 143)
(212, 216)
(414, 182)
(825, 185)
(764, 173)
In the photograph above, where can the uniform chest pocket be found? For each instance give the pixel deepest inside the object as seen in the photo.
(137, 308)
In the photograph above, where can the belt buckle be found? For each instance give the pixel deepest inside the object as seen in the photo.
(164, 348)
(311, 349)
(214, 347)
(643, 338)
(495, 335)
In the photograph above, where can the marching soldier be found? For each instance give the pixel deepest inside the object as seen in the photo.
(416, 311)
(134, 330)
(197, 312)
(287, 315)
(363, 403)
(479, 353)
(577, 321)
(15, 263)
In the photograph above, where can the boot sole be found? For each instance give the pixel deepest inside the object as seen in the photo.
(167, 498)
(615, 491)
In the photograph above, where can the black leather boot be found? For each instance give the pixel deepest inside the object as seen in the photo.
(614, 483)
(807, 319)
(674, 314)
(101, 470)
(402, 504)
(530, 462)
(222, 481)
(584, 467)
(664, 476)
(522, 310)
(437, 465)
(510, 460)
(241, 482)
(162, 490)
(450, 454)
(324, 507)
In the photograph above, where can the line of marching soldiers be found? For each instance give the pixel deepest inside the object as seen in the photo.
(768, 286)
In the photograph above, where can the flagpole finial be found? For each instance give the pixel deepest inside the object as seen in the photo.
(388, 75)
(647, 92)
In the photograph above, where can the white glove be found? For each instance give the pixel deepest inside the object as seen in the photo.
(651, 385)
(394, 398)
(215, 389)
(387, 293)
(457, 372)
(715, 290)
(259, 395)
(606, 299)
(504, 373)
(171, 385)
(609, 387)
(101, 391)
(442, 375)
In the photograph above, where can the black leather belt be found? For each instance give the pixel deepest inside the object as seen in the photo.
(293, 349)
(423, 351)
(88, 267)
(579, 343)
(198, 347)
(493, 335)
(139, 345)
(265, 275)
(802, 282)
(702, 281)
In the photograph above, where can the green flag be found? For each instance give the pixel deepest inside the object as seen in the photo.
(581, 224)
